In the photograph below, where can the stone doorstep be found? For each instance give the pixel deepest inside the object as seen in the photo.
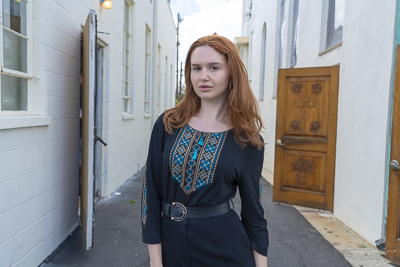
(357, 251)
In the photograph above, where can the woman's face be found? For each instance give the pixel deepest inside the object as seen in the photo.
(209, 74)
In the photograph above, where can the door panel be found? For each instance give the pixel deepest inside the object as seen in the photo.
(393, 212)
(310, 179)
(306, 136)
(88, 136)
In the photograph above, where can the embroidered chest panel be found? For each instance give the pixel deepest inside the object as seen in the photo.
(194, 158)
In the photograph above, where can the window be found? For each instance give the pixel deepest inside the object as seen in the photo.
(281, 34)
(158, 80)
(249, 70)
(147, 70)
(171, 79)
(166, 83)
(126, 91)
(14, 77)
(335, 20)
(294, 36)
(262, 74)
(280, 49)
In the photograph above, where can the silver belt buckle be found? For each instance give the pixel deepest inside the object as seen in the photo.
(184, 212)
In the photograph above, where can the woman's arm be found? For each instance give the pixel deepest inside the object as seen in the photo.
(261, 261)
(250, 189)
(151, 195)
(155, 255)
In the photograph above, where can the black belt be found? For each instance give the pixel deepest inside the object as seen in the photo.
(178, 212)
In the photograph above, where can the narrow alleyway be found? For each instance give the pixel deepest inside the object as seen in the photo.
(293, 241)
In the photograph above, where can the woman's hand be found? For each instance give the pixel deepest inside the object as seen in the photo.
(155, 254)
(261, 261)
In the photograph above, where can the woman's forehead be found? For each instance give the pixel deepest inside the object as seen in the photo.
(203, 54)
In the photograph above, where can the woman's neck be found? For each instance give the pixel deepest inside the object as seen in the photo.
(211, 118)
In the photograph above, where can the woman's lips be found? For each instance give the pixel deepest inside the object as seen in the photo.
(205, 87)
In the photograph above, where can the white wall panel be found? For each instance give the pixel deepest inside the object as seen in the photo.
(365, 59)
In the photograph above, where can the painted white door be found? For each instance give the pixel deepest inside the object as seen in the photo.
(88, 135)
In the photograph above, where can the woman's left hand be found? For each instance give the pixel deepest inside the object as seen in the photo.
(261, 261)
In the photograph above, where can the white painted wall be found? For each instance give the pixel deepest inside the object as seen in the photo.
(362, 141)
(264, 12)
(167, 40)
(365, 59)
(128, 138)
(39, 149)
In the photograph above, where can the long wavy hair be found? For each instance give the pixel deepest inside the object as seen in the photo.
(243, 110)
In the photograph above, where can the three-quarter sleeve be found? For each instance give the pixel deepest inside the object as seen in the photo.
(151, 195)
(252, 211)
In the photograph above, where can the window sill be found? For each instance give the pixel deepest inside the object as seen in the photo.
(12, 122)
(128, 116)
(330, 48)
(147, 115)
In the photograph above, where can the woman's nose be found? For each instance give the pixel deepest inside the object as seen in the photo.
(204, 74)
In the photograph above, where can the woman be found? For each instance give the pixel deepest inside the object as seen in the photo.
(200, 152)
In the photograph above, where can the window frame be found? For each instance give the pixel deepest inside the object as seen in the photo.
(250, 69)
(15, 73)
(324, 47)
(280, 38)
(294, 33)
(171, 79)
(147, 58)
(158, 80)
(166, 85)
(281, 32)
(127, 94)
(35, 115)
(263, 61)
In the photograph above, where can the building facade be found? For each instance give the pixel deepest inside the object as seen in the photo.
(359, 38)
(40, 110)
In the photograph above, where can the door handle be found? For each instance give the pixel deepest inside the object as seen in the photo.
(279, 142)
(97, 138)
(394, 165)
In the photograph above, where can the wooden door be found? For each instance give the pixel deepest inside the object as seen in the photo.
(393, 212)
(88, 134)
(306, 136)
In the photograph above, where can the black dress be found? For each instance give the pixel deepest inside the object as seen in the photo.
(200, 169)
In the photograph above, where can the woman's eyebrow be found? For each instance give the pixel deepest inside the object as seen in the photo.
(211, 63)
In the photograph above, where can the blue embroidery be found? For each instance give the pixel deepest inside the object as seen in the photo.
(144, 198)
(194, 158)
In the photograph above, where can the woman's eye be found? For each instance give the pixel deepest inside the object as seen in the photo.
(214, 68)
(196, 68)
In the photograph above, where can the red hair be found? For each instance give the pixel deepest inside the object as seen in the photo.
(243, 110)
